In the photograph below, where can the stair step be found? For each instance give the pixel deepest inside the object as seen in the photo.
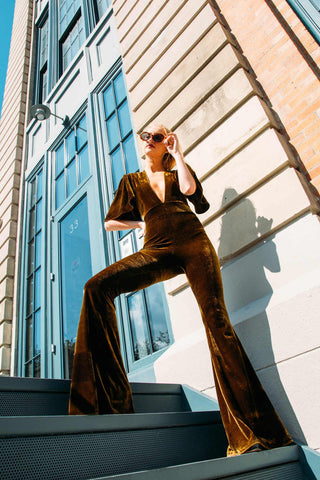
(30, 396)
(278, 464)
(83, 447)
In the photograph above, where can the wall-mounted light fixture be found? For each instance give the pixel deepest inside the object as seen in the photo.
(42, 112)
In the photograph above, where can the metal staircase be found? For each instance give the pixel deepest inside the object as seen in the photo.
(176, 433)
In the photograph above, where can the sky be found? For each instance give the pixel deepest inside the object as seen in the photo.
(6, 18)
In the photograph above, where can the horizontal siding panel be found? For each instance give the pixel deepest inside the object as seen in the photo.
(140, 25)
(135, 13)
(157, 23)
(182, 34)
(200, 87)
(214, 109)
(276, 202)
(125, 9)
(181, 75)
(237, 130)
(255, 162)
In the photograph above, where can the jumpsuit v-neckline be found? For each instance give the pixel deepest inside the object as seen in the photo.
(153, 191)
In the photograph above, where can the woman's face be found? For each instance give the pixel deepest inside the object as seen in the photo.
(152, 148)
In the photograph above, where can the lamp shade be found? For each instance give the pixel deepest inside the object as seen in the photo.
(40, 112)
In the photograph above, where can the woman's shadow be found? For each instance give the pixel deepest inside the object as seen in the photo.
(248, 293)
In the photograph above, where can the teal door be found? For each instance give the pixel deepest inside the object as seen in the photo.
(77, 242)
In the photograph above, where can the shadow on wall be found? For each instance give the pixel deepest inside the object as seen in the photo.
(246, 287)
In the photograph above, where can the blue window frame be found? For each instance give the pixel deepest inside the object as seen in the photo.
(41, 84)
(62, 28)
(120, 134)
(33, 307)
(101, 6)
(71, 31)
(71, 162)
(309, 13)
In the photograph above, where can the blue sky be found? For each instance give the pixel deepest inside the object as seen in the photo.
(6, 17)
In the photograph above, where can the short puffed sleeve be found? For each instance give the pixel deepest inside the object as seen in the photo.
(199, 201)
(124, 206)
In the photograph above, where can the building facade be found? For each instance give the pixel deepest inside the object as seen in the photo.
(247, 113)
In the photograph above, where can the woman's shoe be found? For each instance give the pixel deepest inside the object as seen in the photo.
(257, 447)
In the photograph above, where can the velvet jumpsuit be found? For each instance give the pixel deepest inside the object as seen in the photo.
(175, 242)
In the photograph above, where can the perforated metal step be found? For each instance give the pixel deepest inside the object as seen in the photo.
(30, 396)
(277, 464)
(94, 446)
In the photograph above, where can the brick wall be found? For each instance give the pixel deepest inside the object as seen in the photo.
(11, 138)
(284, 57)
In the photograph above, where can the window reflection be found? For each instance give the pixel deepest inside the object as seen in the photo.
(76, 269)
(139, 329)
(158, 324)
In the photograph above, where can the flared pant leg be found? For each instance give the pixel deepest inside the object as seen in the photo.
(246, 410)
(99, 382)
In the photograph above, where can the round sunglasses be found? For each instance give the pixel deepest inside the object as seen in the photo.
(157, 137)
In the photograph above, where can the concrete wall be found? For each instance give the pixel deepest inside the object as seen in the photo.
(11, 138)
(185, 69)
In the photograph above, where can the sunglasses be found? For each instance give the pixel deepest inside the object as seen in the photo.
(157, 137)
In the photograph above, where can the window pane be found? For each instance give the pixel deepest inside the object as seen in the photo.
(102, 6)
(36, 367)
(33, 191)
(37, 330)
(139, 329)
(70, 146)
(31, 257)
(67, 10)
(38, 250)
(59, 160)
(84, 170)
(29, 369)
(60, 190)
(75, 271)
(32, 220)
(30, 295)
(109, 103)
(39, 186)
(72, 43)
(124, 119)
(158, 324)
(81, 133)
(130, 155)
(39, 215)
(43, 44)
(120, 88)
(117, 168)
(71, 177)
(113, 132)
(37, 289)
(29, 338)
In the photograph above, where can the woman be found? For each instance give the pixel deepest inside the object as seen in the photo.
(156, 200)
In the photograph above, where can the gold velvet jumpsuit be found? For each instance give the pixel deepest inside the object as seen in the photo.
(175, 242)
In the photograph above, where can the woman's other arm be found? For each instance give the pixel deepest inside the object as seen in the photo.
(187, 183)
(113, 225)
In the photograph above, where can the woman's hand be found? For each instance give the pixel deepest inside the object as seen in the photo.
(173, 145)
(142, 227)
